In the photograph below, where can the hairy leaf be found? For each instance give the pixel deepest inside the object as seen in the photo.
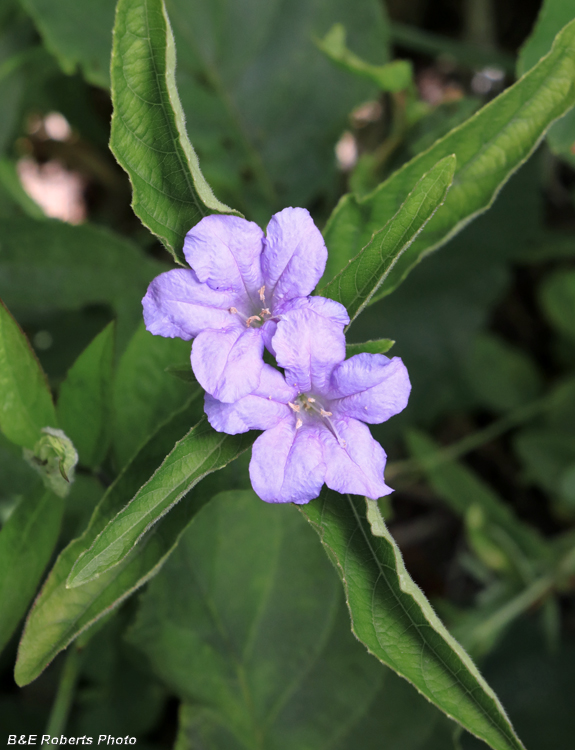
(553, 16)
(356, 284)
(264, 142)
(200, 452)
(60, 614)
(25, 400)
(489, 147)
(148, 126)
(394, 620)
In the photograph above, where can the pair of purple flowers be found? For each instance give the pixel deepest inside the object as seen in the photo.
(246, 291)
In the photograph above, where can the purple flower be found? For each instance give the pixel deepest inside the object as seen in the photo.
(230, 298)
(314, 417)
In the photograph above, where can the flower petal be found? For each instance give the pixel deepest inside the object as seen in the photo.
(178, 305)
(369, 387)
(228, 363)
(225, 251)
(309, 342)
(356, 467)
(294, 256)
(287, 464)
(261, 410)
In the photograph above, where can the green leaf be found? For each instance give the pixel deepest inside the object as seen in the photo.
(60, 614)
(76, 38)
(489, 147)
(356, 284)
(42, 269)
(557, 296)
(25, 400)
(148, 136)
(84, 403)
(380, 346)
(553, 16)
(393, 619)
(393, 77)
(248, 659)
(27, 541)
(201, 452)
(502, 376)
(262, 104)
(144, 393)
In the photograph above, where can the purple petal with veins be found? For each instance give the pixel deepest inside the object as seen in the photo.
(225, 251)
(287, 464)
(370, 387)
(294, 256)
(177, 305)
(228, 363)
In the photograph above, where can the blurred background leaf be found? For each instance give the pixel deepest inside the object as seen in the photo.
(272, 650)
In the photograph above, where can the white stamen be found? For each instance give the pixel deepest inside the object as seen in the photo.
(298, 423)
(311, 399)
(295, 407)
(325, 413)
(233, 310)
(262, 293)
(251, 319)
(265, 311)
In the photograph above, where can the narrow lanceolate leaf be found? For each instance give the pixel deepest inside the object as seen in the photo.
(355, 285)
(25, 400)
(60, 614)
(553, 16)
(27, 540)
(489, 147)
(393, 619)
(148, 129)
(377, 346)
(200, 452)
(85, 400)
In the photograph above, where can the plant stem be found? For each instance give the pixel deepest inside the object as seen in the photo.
(65, 694)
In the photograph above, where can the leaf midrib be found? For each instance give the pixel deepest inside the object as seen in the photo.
(448, 669)
(175, 490)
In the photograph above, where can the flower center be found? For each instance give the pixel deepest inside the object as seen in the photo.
(259, 317)
(308, 408)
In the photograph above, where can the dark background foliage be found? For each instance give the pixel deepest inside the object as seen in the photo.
(486, 327)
